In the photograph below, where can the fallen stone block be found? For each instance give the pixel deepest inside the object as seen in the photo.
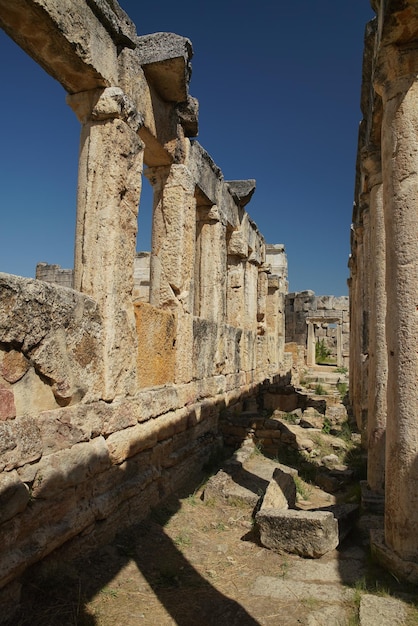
(222, 486)
(306, 533)
(281, 492)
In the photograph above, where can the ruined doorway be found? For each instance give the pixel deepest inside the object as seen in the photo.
(324, 336)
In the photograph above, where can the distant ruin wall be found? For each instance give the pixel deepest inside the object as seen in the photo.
(55, 274)
(107, 402)
(326, 317)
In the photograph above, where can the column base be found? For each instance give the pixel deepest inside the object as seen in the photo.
(404, 570)
(372, 501)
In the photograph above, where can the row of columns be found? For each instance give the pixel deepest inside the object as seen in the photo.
(199, 265)
(384, 286)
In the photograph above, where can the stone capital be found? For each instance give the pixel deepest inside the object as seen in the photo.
(103, 104)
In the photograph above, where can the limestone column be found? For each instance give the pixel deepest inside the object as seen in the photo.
(274, 323)
(109, 185)
(237, 249)
(400, 200)
(339, 344)
(173, 255)
(377, 367)
(357, 325)
(310, 359)
(210, 265)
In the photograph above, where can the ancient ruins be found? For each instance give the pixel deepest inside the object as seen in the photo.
(113, 377)
(109, 400)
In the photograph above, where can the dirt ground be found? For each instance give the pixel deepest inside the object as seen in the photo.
(199, 562)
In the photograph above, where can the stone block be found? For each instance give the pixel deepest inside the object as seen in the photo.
(68, 468)
(156, 345)
(306, 533)
(128, 442)
(222, 486)
(281, 492)
(13, 366)
(20, 443)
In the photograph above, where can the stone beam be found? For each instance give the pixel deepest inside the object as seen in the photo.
(65, 38)
(165, 58)
(242, 190)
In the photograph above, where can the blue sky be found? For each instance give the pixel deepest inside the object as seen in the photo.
(279, 89)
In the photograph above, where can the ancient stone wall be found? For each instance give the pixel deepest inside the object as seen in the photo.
(311, 318)
(55, 274)
(384, 278)
(109, 402)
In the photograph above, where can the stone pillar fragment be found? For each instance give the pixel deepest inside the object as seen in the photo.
(173, 255)
(109, 185)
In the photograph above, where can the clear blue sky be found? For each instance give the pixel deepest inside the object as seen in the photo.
(279, 88)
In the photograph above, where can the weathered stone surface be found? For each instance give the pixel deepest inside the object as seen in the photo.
(7, 403)
(128, 442)
(346, 516)
(14, 495)
(13, 365)
(156, 345)
(33, 395)
(402, 568)
(20, 443)
(68, 468)
(58, 329)
(165, 58)
(242, 189)
(274, 587)
(307, 533)
(281, 492)
(383, 611)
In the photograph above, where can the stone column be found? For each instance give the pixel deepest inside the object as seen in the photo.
(339, 344)
(310, 359)
(210, 265)
(274, 323)
(237, 249)
(109, 185)
(400, 199)
(358, 327)
(377, 367)
(173, 255)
